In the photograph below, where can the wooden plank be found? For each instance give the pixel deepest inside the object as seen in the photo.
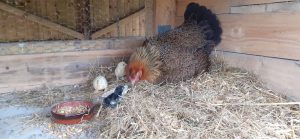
(121, 8)
(71, 13)
(113, 11)
(142, 3)
(283, 7)
(165, 13)
(282, 76)
(131, 6)
(135, 21)
(248, 9)
(126, 20)
(221, 6)
(120, 14)
(249, 2)
(83, 21)
(104, 14)
(127, 7)
(10, 28)
(67, 46)
(150, 17)
(51, 69)
(217, 6)
(42, 13)
(51, 11)
(19, 72)
(3, 24)
(142, 25)
(40, 20)
(135, 26)
(272, 7)
(128, 27)
(94, 6)
(262, 34)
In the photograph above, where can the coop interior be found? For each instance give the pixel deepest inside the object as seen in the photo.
(52, 50)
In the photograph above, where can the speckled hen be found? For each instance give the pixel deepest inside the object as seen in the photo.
(178, 54)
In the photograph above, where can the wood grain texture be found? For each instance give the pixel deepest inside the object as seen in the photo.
(19, 72)
(49, 10)
(249, 2)
(165, 13)
(40, 20)
(248, 9)
(105, 13)
(284, 7)
(150, 17)
(264, 34)
(67, 46)
(222, 6)
(270, 7)
(127, 21)
(282, 76)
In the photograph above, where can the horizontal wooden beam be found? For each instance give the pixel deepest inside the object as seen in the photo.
(39, 47)
(114, 26)
(22, 72)
(249, 2)
(39, 20)
(282, 76)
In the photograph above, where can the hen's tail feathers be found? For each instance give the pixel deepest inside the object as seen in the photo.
(201, 15)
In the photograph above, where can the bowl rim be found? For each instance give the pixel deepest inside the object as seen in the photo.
(72, 116)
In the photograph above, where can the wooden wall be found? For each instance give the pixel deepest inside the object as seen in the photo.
(18, 28)
(57, 63)
(261, 36)
(27, 20)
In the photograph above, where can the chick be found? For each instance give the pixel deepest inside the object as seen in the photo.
(100, 83)
(120, 70)
(114, 98)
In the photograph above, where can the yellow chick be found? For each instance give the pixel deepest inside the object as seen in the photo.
(120, 70)
(100, 83)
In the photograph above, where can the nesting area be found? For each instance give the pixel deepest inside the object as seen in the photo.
(224, 103)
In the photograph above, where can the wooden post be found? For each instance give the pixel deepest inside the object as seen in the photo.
(83, 21)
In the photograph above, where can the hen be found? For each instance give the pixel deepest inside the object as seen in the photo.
(178, 54)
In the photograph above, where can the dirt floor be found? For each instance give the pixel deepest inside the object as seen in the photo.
(224, 103)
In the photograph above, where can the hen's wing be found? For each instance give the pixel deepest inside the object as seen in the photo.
(179, 63)
(186, 35)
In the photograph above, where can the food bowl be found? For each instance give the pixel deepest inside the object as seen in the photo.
(72, 112)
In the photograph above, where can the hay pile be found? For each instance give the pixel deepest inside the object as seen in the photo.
(224, 103)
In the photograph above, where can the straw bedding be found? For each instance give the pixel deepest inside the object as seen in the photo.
(224, 103)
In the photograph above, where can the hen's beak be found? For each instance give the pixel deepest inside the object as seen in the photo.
(133, 82)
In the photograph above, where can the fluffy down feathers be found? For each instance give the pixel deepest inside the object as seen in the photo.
(120, 70)
(178, 54)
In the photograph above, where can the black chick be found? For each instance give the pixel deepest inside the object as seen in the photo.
(113, 99)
